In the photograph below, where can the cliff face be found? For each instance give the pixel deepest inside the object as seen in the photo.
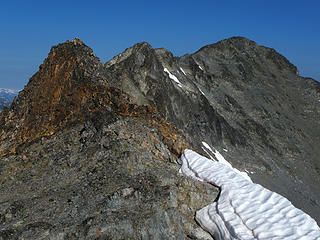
(88, 149)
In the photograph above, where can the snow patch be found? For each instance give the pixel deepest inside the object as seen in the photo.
(248, 171)
(244, 210)
(201, 91)
(183, 71)
(222, 160)
(173, 77)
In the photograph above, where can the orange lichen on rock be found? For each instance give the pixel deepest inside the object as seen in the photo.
(62, 92)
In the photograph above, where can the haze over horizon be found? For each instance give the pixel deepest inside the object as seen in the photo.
(29, 30)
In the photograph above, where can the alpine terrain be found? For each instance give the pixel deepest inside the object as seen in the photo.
(6, 97)
(89, 150)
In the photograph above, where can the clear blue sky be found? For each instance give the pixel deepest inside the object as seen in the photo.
(29, 28)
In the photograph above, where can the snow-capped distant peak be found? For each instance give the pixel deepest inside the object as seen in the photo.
(8, 91)
(6, 97)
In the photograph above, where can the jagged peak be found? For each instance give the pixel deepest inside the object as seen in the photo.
(71, 44)
(68, 64)
(142, 44)
(163, 51)
(71, 52)
(70, 49)
(76, 41)
(138, 47)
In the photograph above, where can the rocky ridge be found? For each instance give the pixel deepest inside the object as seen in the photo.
(88, 150)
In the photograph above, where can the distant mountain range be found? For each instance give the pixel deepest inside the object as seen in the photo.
(6, 97)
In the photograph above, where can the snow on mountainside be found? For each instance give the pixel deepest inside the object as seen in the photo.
(6, 97)
(245, 210)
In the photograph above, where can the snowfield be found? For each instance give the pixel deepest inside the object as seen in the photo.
(244, 210)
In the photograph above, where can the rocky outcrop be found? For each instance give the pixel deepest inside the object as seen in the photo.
(108, 177)
(88, 150)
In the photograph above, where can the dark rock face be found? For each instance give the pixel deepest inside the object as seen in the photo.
(88, 150)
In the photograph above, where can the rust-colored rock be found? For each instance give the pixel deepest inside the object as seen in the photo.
(66, 89)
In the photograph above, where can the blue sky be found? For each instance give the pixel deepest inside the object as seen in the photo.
(29, 28)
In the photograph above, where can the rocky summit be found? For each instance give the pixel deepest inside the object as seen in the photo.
(88, 149)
